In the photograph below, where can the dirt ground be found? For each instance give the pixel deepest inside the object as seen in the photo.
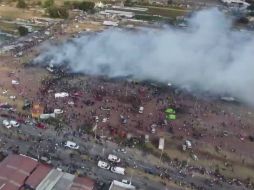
(11, 12)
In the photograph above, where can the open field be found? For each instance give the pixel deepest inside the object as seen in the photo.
(167, 11)
(8, 27)
(12, 13)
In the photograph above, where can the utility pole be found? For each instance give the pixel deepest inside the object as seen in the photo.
(161, 157)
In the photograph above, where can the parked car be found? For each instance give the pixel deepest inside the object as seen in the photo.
(14, 123)
(71, 145)
(113, 158)
(6, 124)
(58, 111)
(41, 126)
(188, 144)
(123, 150)
(103, 165)
(45, 159)
(118, 170)
(141, 109)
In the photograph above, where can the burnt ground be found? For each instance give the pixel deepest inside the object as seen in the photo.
(221, 133)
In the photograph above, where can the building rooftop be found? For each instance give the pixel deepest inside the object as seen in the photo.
(64, 183)
(14, 170)
(50, 180)
(38, 175)
(83, 183)
(117, 185)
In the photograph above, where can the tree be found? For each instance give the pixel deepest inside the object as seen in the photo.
(242, 20)
(21, 4)
(128, 3)
(251, 7)
(84, 5)
(58, 12)
(48, 3)
(22, 30)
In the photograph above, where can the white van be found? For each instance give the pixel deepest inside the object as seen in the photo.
(113, 158)
(71, 145)
(118, 170)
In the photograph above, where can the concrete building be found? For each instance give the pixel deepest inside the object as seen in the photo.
(65, 182)
(118, 13)
(117, 185)
(83, 183)
(239, 3)
(50, 180)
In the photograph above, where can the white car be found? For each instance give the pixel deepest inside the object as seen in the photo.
(188, 144)
(61, 95)
(118, 170)
(141, 109)
(14, 123)
(13, 97)
(14, 82)
(103, 165)
(113, 158)
(58, 111)
(71, 145)
(7, 124)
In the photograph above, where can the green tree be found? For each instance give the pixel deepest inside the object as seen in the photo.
(242, 20)
(22, 30)
(84, 5)
(58, 12)
(48, 3)
(251, 7)
(128, 3)
(21, 4)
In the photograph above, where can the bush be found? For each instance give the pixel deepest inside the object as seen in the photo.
(67, 4)
(21, 4)
(242, 20)
(84, 5)
(128, 3)
(251, 7)
(48, 3)
(22, 30)
(58, 12)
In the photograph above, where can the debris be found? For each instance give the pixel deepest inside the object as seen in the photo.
(194, 157)
(47, 115)
(161, 144)
(188, 144)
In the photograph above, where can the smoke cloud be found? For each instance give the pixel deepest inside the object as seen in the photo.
(209, 55)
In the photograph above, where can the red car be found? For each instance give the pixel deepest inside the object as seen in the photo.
(41, 126)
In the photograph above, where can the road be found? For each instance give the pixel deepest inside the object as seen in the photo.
(37, 142)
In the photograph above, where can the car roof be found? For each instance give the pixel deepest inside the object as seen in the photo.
(70, 143)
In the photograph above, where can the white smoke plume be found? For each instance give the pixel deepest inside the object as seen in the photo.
(209, 55)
